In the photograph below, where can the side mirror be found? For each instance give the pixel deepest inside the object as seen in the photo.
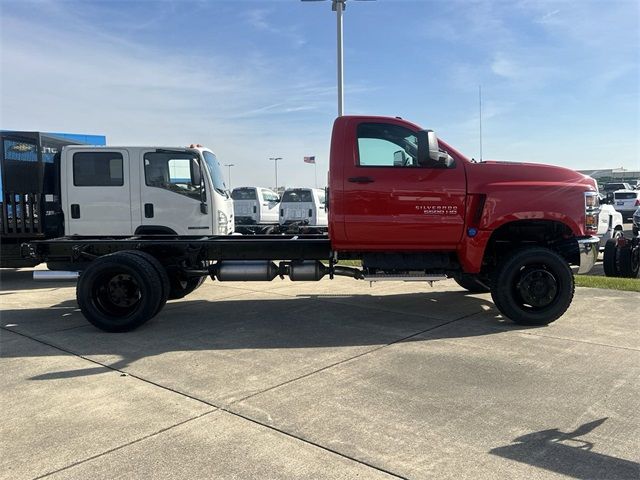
(429, 154)
(196, 173)
(434, 149)
(398, 158)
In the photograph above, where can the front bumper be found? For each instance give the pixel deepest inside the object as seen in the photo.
(588, 247)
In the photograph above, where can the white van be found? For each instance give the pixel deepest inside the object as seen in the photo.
(626, 202)
(255, 206)
(125, 191)
(304, 206)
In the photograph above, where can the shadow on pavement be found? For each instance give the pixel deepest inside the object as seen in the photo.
(566, 454)
(242, 324)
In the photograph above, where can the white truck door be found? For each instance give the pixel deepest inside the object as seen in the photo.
(171, 195)
(98, 192)
(270, 204)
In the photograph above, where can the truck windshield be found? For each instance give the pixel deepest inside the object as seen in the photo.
(217, 177)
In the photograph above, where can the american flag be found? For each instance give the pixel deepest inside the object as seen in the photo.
(310, 159)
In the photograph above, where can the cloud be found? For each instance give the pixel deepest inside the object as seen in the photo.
(258, 19)
(85, 78)
(504, 67)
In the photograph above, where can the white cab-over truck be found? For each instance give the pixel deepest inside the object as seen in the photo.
(125, 191)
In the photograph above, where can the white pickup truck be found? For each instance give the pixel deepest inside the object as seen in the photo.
(304, 206)
(255, 206)
(609, 224)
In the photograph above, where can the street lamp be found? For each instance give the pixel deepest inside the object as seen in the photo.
(338, 6)
(276, 159)
(229, 165)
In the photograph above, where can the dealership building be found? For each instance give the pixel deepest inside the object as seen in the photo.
(613, 175)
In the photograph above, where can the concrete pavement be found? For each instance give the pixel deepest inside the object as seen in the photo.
(333, 379)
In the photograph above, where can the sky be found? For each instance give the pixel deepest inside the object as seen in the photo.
(257, 79)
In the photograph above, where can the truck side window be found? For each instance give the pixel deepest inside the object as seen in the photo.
(269, 196)
(172, 171)
(386, 145)
(98, 169)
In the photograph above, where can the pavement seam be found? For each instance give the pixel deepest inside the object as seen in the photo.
(326, 367)
(215, 408)
(581, 341)
(119, 447)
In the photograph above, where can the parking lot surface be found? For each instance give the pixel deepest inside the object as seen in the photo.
(334, 379)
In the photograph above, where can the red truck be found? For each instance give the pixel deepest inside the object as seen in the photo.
(405, 204)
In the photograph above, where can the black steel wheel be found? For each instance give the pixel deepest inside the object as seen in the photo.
(533, 286)
(119, 292)
(474, 283)
(162, 273)
(610, 258)
(629, 260)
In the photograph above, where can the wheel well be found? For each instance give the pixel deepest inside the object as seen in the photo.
(539, 232)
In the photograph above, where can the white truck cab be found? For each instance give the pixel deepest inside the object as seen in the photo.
(255, 206)
(124, 191)
(305, 206)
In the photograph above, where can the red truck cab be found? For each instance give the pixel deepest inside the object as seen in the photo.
(401, 199)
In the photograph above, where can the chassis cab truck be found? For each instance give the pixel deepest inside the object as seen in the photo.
(408, 206)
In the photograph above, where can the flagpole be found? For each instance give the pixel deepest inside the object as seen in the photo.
(315, 172)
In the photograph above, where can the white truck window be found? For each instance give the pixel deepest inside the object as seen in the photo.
(297, 196)
(244, 194)
(269, 196)
(172, 171)
(98, 169)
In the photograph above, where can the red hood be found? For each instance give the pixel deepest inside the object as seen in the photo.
(483, 174)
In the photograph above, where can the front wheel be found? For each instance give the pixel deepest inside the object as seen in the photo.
(533, 286)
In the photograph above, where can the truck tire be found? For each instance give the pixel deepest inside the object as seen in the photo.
(180, 287)
(610, 258)
(473, 283)
(533, 286)
(119, 292)
(162, 273)
(628, 261)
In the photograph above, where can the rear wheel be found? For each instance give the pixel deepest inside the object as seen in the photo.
(610, 258)
(162, 273)
(119, 292)
(474, 283)
(533, 286)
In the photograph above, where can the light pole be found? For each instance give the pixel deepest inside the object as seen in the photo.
(229, 165)
(276, 159)
(338, 6)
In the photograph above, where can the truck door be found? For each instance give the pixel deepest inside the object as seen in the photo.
(172, 194)
(391, 201)
(98, 192)
(270, 205)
